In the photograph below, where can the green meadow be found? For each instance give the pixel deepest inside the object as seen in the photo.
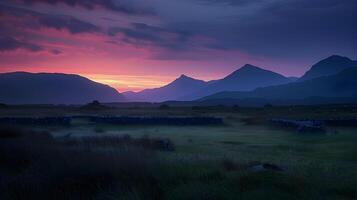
(208, 162)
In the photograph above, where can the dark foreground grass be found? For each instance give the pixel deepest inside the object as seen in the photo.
(34, 165)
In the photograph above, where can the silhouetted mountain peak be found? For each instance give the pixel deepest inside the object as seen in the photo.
(328, 66)
(334, 61)
(248, 77)
(249, 67)
(337, 58)
(181, 86)
(184, 77)
(250, 71)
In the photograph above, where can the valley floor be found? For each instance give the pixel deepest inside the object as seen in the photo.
(245, 158)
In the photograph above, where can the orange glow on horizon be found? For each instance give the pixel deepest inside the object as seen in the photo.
(130, 82)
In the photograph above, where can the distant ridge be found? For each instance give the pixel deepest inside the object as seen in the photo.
(326, 79)
(53, 88)
(341, 85)
(329, 66)
(246, 78)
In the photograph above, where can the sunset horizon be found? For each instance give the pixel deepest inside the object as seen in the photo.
(178, 99)
(137, 83)
(135, 45)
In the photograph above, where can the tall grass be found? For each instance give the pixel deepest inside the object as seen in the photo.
(34, 165)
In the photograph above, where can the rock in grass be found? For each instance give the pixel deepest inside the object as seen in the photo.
(259, 167)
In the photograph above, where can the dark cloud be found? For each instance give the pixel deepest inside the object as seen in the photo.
(28, 19)
(281, 28)
(123, 6)
(232, 2)
(143, 34)
(35, 19)
(292, 28)
(300, 26)
(71, 24)
(10, 44)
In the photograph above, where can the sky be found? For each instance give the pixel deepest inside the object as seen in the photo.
(137, 44)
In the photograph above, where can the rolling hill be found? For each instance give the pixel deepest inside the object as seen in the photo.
(53, 88)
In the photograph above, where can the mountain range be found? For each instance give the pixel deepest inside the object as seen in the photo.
(340, 85)
(53, 88)
(184, 88)
(246, 78)
(332, 80)
(333, 77)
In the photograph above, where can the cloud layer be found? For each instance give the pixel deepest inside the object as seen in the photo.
(283, 35)
(9, 44)
(124, 6)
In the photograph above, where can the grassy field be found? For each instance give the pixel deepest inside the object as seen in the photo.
(209, 162)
